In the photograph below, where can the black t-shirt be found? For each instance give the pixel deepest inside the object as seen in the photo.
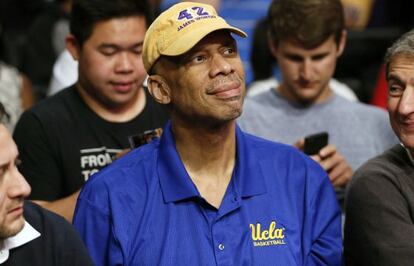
(62, 142)
(58, 243)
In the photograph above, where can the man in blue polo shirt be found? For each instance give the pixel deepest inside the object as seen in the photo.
(206, 193)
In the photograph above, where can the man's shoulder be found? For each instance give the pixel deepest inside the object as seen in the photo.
(271, 150)
(57, 105)
(42, 219)
(385, 174)
(265, 98)
(64, 108)
(54, 229)
(131, 169)
(392, 169)
(359, 108)
(289, 164)
(390, 164)
(58, 244)
(256, 142)
(131, 175)
(261, 105)
(361, 115)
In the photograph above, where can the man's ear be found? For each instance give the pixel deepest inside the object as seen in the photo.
(73, 46)
(342, 43)
(159, 89)
(272, 46)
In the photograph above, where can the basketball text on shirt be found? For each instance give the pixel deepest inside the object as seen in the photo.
(270, 237)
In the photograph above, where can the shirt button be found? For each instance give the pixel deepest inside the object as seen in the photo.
(221, 246)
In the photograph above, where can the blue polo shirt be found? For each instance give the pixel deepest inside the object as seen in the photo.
(144, 209)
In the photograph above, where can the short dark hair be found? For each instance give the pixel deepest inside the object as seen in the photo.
(261, 57)
(310, 22)
(86, 13)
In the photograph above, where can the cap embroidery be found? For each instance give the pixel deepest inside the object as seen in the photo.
(191, 15)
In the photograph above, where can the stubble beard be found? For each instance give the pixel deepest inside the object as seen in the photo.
(7, 231)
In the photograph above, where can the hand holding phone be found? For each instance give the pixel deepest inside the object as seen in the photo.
(315, 142)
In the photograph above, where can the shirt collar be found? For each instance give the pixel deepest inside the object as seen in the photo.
(410, 156)
(408, 153)
(177, 185)
(27, 234)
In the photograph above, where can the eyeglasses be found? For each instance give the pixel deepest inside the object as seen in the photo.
(4, 116)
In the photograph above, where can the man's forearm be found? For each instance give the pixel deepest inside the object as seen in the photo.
(64, 207)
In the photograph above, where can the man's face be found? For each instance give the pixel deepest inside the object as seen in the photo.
(306, 72)
(13, 187)
(401, 99)
(207, 84)
(110, 64)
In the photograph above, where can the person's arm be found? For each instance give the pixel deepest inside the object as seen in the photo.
(379, 227)
(94, 223)
(64, 207)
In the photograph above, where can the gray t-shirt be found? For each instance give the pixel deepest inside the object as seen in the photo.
(359, 131)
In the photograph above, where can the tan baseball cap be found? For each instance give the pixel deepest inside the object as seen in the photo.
(180, 28)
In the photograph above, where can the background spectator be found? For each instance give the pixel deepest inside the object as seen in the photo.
(66, 138)
(379, 225)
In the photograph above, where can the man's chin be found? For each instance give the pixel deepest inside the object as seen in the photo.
(12, 229)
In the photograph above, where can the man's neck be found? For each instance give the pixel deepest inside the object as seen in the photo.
(118, 113)
(324, 96)
(209, 156)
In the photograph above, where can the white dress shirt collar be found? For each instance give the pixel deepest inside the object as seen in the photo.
(27, 234)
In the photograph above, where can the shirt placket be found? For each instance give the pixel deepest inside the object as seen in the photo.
(220, 227)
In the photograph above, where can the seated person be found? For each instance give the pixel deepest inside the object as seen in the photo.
(70, 136)
(200, 195)
(307, 37)
(30, 235)
(379, 227)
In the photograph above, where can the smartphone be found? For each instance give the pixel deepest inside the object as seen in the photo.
(315, 142)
